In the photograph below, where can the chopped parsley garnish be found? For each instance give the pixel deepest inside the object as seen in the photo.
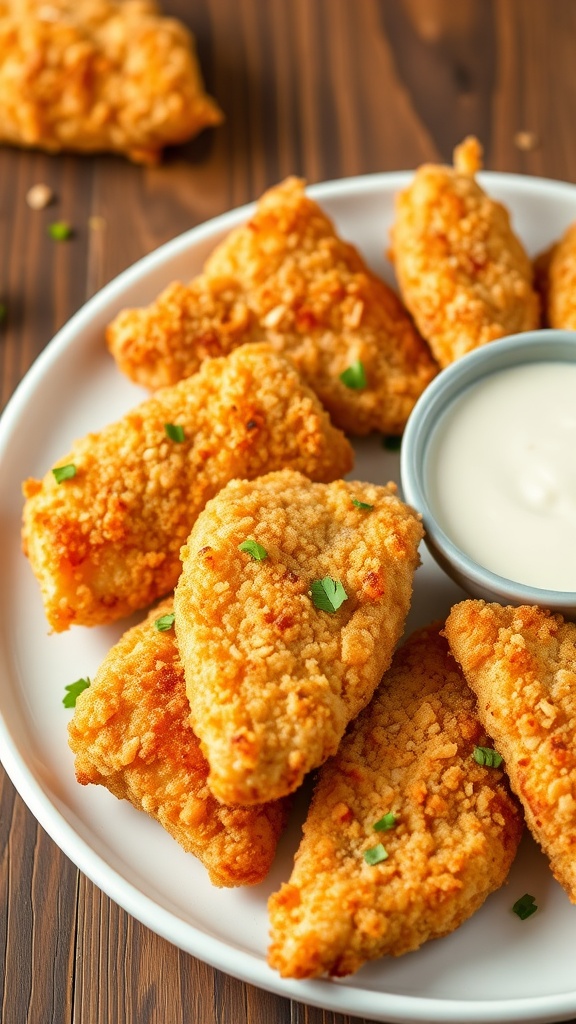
(362, 504)
(385, 823)
(392, 443)
(175, 432)
(64, 472)
(328, 594)
(354, 376)
(73, 691)
(375, 855)
(255, 550)
(60, 231)
(486, 755)
(165, 622)
(525, 906)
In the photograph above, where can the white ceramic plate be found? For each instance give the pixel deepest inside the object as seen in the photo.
(495, 967)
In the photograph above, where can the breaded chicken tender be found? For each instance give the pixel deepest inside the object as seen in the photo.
(106, 541)
(521, 663)
(463, 273)
(273, 675)
(130, 733)
(556, 280)
(286, 277)
(90, 75)
(406, 835)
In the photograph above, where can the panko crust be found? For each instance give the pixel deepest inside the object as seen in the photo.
(91, 75)
(274, 681)
(555, 272)
(107, 541)
(130, 733)
(463, 273)
(286, 277)
(456, 833)
(521, 663)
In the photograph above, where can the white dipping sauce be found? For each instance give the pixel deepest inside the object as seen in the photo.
(501, 474)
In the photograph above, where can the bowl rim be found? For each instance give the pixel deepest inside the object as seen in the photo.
(542, 345)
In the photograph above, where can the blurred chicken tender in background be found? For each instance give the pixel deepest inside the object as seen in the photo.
(463, 273)
(91, 75)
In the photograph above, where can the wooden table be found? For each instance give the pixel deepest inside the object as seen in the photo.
(320, 88)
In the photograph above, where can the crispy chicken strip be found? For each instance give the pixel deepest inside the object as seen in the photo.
(273, 678)
(521, 663)
(556, 279)
(130, 733)
(450, 842)
(106, 541)
(287, 277)
(91, 75)
(463, 273)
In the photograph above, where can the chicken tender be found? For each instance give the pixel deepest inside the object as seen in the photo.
(463, 273)
(106, 541)
(286, 277)
(406, 834)
(130, 733)
(521, 663)
(556, 279)
(275, 671)
(91, 75)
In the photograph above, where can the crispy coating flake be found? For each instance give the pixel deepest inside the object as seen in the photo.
(555, 272)
(521, 663)
(463, 273)
(286, 277)
(274, 681)
(107, 541)
(130, 733)
(91, 75)
(456, 833)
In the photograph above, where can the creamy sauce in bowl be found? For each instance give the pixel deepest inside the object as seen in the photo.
(501, 473)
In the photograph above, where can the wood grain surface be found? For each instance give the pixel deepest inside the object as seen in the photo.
(320, 88)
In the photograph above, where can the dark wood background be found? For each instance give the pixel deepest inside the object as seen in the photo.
(324, 89)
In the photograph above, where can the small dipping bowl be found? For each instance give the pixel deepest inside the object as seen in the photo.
(421, 446)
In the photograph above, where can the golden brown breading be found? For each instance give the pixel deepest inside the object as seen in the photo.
(462, 271)
(286, 277)
(107, 541)
(456, 832)
(556, 278)
(521, 663)
(274, 680)
(130, 733)
(91, 75)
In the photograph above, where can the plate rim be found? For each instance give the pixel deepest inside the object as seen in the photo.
(247, 966)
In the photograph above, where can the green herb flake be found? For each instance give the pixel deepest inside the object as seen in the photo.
(328, 594)
(175, 432)
(60, 231)
(362, 504)
(375, 855)
(62, 473)
(165, 622)
(525, 906)
(385, 823)
(252, 548)
(487, 756)
(354, 377)
(73, 691)
(392, 443)
(3, 312)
